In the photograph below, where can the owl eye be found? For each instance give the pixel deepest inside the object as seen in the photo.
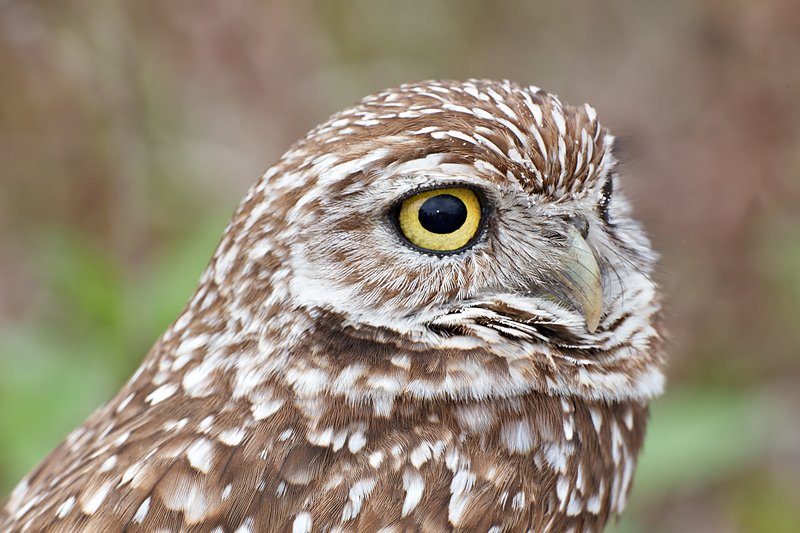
(441, 220)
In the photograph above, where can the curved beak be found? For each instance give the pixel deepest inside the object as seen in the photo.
(578, 276)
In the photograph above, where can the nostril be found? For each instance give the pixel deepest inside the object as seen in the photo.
(578, 222)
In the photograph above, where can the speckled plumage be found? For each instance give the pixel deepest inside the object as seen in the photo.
(325, 376)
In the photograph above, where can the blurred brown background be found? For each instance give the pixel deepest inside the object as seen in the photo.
(129, 130)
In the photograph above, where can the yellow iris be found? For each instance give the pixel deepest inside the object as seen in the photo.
(441, 220)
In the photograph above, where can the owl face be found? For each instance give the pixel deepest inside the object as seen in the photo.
(478, 225)
(414, 250)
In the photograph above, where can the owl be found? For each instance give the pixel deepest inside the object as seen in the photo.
(434, 313)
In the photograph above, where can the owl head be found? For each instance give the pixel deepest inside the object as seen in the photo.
(440, 240)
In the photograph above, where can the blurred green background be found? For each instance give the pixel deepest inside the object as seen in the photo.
(129, 130)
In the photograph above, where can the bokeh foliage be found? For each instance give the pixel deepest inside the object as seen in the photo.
(129, 131)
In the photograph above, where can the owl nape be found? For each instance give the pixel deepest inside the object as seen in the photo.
(434, 313)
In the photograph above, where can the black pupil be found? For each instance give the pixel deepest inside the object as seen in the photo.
(443, 213)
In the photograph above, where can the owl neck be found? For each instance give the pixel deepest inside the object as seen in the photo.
(211, 350)
(367, 395)
(566, 456)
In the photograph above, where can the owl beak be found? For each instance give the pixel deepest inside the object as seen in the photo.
(579, 274)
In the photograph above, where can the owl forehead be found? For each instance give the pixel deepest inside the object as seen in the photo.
(495, 131)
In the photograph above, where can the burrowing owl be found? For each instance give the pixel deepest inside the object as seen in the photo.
(434, 313)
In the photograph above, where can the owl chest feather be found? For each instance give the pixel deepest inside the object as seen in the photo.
(534, 462)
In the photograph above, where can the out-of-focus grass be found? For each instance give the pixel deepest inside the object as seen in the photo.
(63, 373)
(701, 439)
(778, 254)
